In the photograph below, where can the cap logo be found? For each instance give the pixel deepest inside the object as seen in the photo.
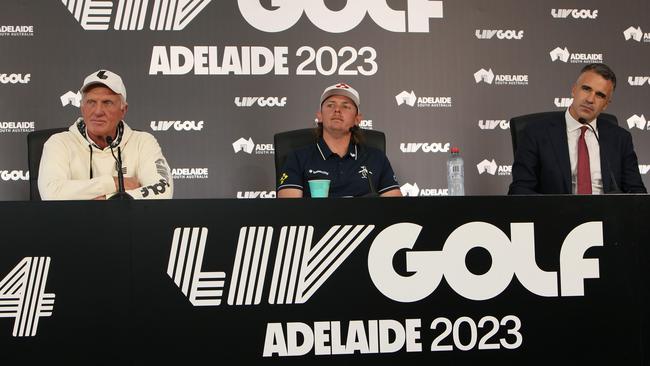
(343, 86)
(102, 75)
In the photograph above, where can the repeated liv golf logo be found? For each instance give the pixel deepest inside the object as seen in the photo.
(14, 175)
(636, 34)
(489, 77)
(563, 102)
(499, 34)
(425, 147)
(574, 13)
(563, 54)
(255, 194)
(494, 124)
(131, 15)
(15, 78)
(260, 101)
(638, 80)
(178, 125)
(412, 100)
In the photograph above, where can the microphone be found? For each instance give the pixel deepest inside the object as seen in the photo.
(121, 193)
(615, 188)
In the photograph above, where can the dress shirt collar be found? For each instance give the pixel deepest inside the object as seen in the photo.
(572, 124)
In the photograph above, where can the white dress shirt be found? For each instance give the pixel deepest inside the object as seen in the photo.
(573, 133)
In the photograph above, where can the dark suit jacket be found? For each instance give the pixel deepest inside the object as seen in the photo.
(542, 163)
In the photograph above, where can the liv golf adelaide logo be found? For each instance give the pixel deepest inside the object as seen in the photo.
(299, 268)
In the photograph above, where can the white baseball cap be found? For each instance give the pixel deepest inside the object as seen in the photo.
(110, 79)
(341, 89)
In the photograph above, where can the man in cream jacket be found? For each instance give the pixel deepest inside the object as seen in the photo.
(78, 164)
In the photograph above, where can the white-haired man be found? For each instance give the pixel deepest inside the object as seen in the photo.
(78, 164)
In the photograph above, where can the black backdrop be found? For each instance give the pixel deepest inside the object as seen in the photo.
(52, 45)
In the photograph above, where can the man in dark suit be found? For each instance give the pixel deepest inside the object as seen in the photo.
(561, 154)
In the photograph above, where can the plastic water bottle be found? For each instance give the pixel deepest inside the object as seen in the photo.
(455, 173)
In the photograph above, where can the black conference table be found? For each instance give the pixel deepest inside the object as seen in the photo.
(447, 280)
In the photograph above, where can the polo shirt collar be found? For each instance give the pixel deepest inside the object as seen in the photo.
(325, 151)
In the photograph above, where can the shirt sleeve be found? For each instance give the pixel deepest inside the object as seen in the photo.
(55, 178)
(153, 173)
(387, 178)
(292, 173)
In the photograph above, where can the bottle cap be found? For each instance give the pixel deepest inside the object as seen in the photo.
(455, 150)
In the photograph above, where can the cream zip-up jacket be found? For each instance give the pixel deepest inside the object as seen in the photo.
(65, 168)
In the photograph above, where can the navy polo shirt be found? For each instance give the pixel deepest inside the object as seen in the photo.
(348, 175)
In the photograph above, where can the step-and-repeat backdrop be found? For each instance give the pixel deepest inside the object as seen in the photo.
(214, 80)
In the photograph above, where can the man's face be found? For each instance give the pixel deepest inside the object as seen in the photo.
(591, 95)
(338, 114)
(102, 110)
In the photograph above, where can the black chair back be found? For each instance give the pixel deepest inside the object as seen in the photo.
(517, 124)
(285, 142)
(35, 142)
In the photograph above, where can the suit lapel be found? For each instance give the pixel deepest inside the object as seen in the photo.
(558, 138)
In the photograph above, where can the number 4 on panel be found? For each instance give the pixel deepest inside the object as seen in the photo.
(23, 297)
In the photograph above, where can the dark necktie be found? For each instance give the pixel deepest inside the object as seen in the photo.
(584, 171)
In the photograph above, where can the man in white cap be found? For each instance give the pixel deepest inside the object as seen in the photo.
(339, 155)
(79, 164)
